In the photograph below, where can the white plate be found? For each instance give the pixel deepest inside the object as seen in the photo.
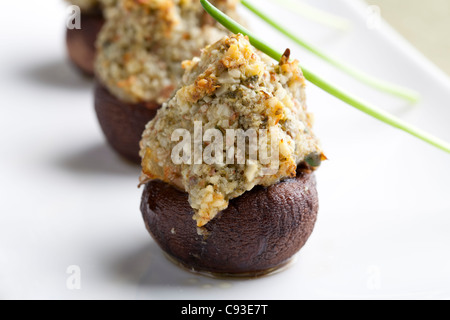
(66, 199)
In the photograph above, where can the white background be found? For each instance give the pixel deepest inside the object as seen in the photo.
(66, 199)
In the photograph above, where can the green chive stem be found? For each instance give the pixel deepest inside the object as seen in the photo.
(376, 83)
(333, 90)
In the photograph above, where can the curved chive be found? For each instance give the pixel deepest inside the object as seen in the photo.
(315, 14)
(341, 94)
(376, 83)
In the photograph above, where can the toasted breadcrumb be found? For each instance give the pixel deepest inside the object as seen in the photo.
(231, 86)
(142, 47)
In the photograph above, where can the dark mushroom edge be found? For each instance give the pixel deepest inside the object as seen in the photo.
(81, 46)
(123, 123)
(257, 234)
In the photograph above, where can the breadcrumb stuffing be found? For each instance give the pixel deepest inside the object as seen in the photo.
(142, 46)
(231, 86)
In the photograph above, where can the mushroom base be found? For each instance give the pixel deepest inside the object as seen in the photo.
(257, 234)
(224, 276)
(81, 43)
(123, 123)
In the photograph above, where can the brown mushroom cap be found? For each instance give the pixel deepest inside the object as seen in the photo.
(123, 123)
(81, 43)
(258, 233)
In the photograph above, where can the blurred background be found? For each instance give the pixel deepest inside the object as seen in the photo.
(425, 24)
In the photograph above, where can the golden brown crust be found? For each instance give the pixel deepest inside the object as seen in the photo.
(232, 86)
(155, 36)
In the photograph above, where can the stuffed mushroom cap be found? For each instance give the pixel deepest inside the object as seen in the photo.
(231, 88)
(140, 49)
